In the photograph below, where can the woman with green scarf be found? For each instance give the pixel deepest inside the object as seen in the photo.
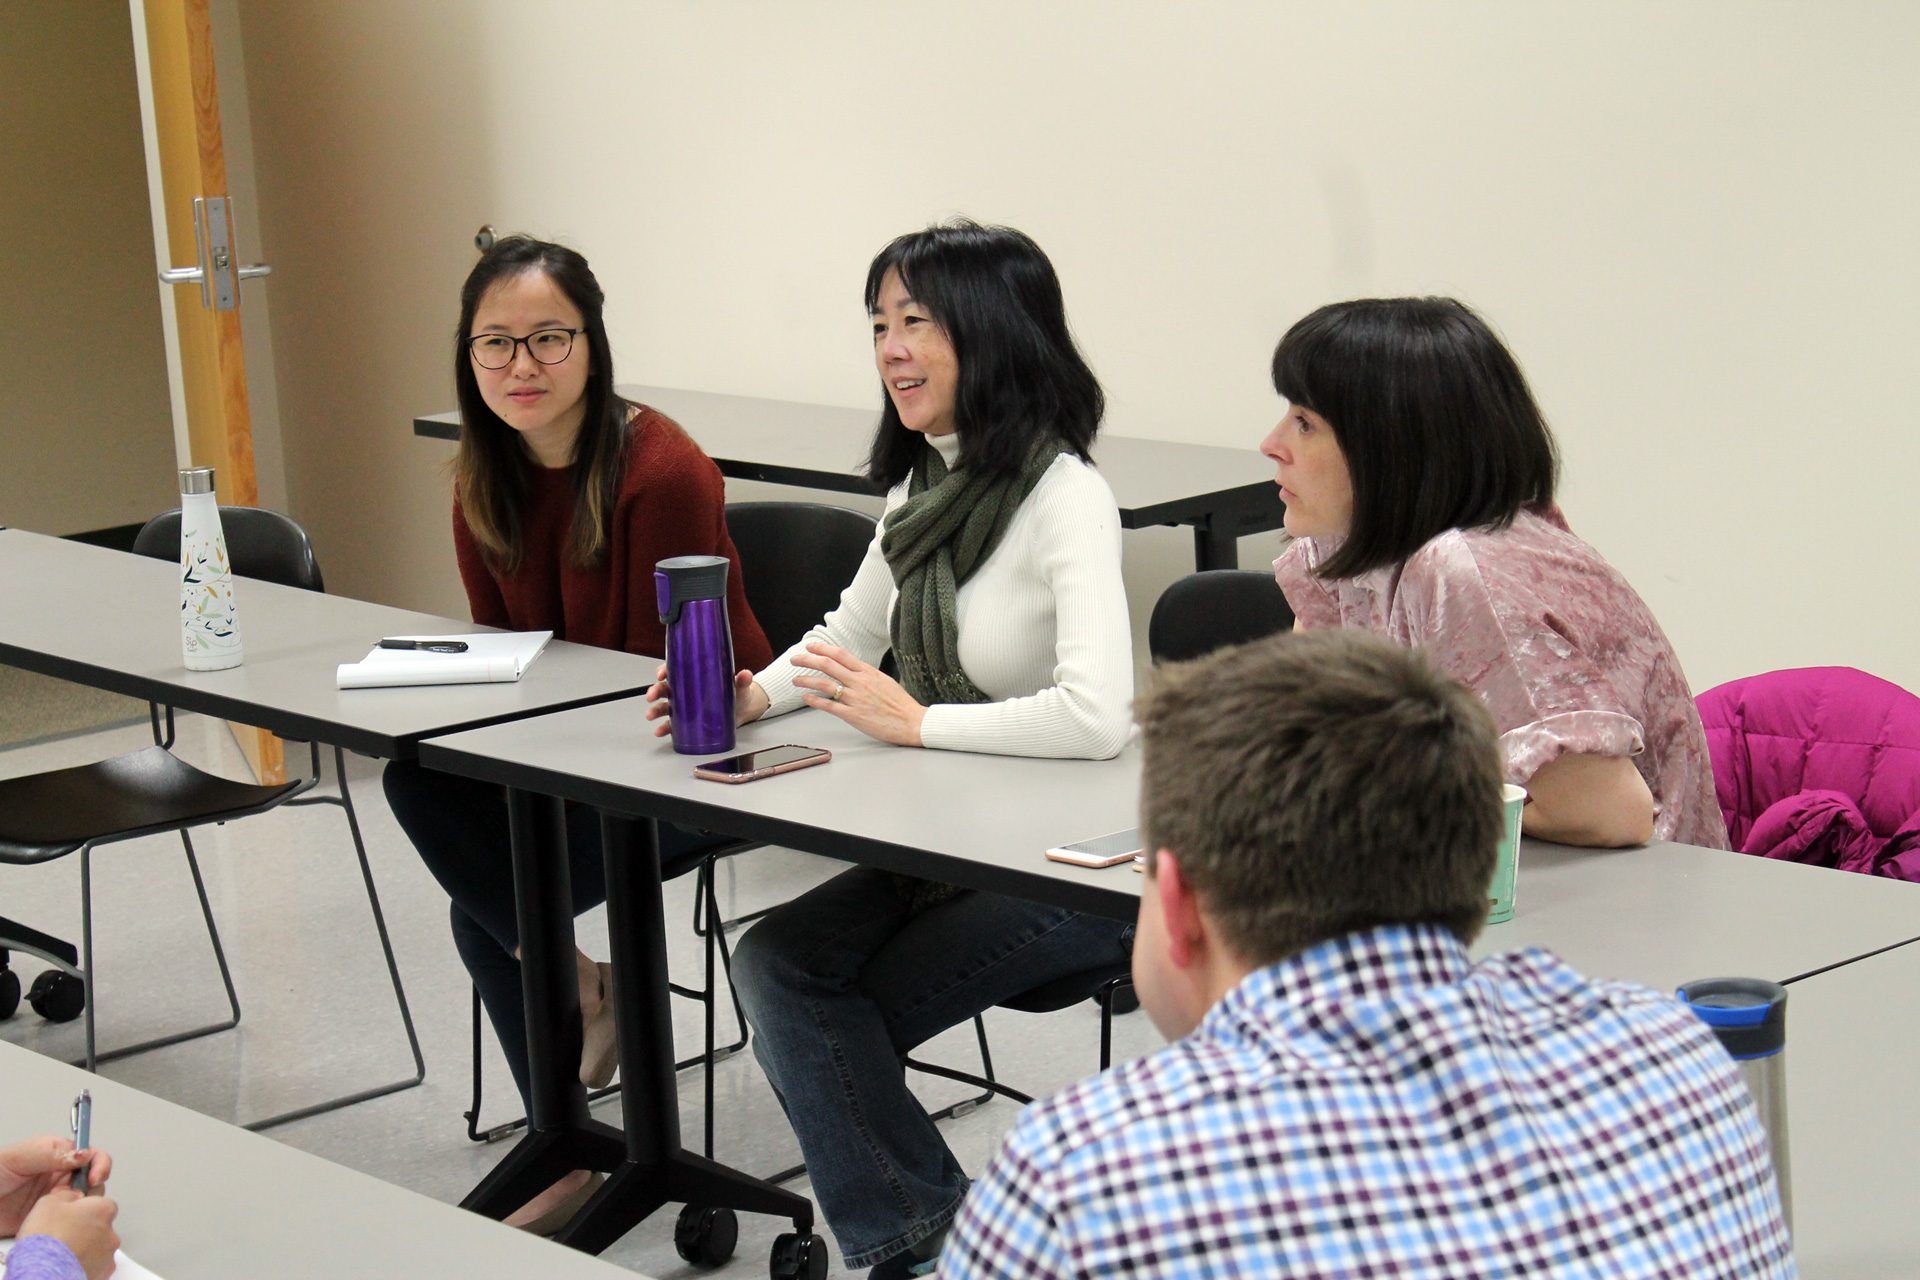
(995, 582)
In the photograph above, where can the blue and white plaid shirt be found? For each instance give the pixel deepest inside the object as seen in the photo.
(1378, 1105)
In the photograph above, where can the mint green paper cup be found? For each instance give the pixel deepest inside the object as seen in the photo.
(1500, 895)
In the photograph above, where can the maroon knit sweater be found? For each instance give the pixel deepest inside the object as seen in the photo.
(672, 503)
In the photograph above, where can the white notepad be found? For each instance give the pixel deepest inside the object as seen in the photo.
(492, 657)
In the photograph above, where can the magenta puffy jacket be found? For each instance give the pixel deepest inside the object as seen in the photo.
(1819, 765)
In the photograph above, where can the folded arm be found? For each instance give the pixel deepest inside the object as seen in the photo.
(1597, 801)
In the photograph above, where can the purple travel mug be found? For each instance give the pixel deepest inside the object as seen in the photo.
(692, 591)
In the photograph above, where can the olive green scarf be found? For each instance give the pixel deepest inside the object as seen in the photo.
(934, 541)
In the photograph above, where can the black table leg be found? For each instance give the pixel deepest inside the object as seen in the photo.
(1229, 517)
(1214, 547)
(560, 1137)
(655, 1169)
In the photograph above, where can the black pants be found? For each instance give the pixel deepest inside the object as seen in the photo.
(459, 826)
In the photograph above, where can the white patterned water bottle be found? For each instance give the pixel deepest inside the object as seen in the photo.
(209, 636)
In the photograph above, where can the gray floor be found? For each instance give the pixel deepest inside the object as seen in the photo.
(34, 708)
(318, 1011)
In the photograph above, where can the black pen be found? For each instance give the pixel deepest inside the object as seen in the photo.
(426, 646)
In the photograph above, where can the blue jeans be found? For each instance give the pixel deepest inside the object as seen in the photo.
(843, 980)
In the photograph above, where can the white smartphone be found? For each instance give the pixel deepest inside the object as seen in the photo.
(1101, 851)
(764, 763)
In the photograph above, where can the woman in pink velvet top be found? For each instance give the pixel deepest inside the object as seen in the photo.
(1418, 475)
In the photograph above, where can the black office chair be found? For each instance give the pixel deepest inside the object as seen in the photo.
(1198, 614)
(152, 791)
(1213, 610)
(796, 558)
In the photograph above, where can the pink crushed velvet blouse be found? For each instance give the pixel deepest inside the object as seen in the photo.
(1565, 654)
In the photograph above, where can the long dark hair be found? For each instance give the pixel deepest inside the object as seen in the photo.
(1433, 414)
(490, 470)
(994, 294)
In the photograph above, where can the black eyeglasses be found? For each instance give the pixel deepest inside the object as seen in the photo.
(548, 346)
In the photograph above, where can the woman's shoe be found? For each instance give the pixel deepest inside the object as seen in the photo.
(600, 1043)
(550, 1222)
(920, 1259)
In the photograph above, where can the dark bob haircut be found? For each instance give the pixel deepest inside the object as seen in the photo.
(490, 471)
(1434, 416)
(995, 296)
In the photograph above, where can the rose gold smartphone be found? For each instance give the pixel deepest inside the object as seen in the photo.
(764, 763)
(1102, 851)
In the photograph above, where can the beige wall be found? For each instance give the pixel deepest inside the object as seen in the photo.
(256, 314)
(1693, 223)
(85, 425)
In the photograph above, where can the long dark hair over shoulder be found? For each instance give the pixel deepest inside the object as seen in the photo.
(491, 469)
(1439, 428)
(996, 297)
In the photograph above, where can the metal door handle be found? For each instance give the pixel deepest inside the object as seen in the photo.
(213, 242)
(194, 275)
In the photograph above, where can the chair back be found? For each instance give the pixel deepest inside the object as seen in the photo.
(1215, 609)
(1799, 755)
(797, 557)
(261, 544)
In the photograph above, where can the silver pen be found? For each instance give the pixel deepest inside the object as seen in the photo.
(82, 1135)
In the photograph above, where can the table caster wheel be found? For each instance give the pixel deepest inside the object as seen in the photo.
(9, 993)
(797, 1257)
(705, 1236)
(57, 996)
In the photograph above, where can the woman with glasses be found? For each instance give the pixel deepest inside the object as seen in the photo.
(565, 496)
(994, 581)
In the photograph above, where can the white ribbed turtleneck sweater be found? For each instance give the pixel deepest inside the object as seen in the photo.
(1043, 627)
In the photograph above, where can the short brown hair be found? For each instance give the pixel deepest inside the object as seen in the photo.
(1315, 784)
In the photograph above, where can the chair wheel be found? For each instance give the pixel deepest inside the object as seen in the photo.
(1125, 1000)
(705, 1236)
(797, 1257)
(9, 993)
(57, 996)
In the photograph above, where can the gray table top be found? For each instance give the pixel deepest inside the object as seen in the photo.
(199, 1198)
(979, 821)
(1662, 915)
(1666, 914)
(110, 620)
(788, 442)
(1854, 1117)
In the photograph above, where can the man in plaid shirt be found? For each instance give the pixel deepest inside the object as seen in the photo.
(1346, 1093)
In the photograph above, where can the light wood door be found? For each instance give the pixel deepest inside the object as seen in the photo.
(186, 114)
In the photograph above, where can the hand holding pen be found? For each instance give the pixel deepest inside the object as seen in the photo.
(39, 1168)
(52, 1187)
